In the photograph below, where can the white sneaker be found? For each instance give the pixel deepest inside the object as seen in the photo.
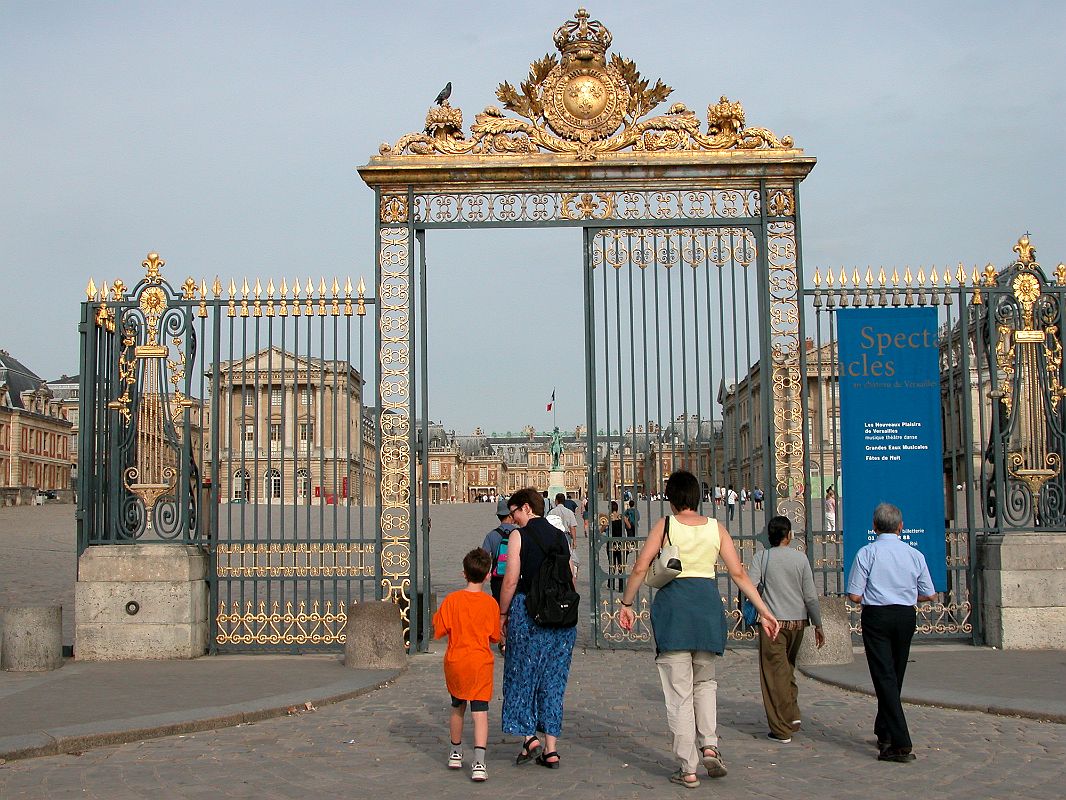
(478, 772)
(455, 760)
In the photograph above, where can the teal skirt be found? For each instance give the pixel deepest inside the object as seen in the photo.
(687, 614)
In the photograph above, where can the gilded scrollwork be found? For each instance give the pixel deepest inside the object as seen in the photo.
(247, 624)
(581, 103)
(394, 321)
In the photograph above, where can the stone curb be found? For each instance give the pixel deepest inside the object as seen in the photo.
(76, 738)
(946, 700)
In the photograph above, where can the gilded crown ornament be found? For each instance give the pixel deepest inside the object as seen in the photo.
(579, 102)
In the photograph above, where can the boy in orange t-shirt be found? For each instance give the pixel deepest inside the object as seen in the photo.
(470, 619)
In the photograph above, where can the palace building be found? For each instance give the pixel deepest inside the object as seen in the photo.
(35, 454)
(293, 431)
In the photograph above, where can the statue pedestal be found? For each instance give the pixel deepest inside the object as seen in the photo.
(556, 484)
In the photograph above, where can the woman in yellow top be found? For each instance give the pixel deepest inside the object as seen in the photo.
(689, 624)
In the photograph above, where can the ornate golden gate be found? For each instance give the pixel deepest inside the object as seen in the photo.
(580, 148)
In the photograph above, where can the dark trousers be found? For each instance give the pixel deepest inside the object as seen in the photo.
(886, 634)
(777, 675)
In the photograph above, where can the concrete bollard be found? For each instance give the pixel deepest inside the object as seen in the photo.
(373, 636)
(31, 638)
(837, 630)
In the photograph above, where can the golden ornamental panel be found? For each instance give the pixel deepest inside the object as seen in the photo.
(581, 103)
(247, 624)
(475, 207)
(611, 631)
(394, 387)
(287, 560)
(786, 379)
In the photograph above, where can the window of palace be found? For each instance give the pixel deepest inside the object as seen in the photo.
(249, 395)
(434, 468)
(242, 484)
(273, 484)
(303, 483)
(275, 434)
(249, 433)
(307, 431)
(483, 475)
(275, 397)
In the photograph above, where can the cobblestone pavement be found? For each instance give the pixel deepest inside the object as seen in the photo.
(394, 741)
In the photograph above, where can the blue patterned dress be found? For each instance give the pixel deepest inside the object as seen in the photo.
(536, 666)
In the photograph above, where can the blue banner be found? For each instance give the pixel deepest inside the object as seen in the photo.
(891, 445)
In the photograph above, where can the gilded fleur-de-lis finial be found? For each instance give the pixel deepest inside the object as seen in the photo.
(152, 264)
(1026, 252)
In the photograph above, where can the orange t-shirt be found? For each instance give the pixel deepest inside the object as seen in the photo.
(471, 621)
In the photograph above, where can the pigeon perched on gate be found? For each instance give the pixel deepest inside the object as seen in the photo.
(445, 93)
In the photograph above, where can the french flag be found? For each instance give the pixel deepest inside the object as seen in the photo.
(552, 401)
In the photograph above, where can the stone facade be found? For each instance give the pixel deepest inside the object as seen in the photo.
(35, 451)
(293, 430)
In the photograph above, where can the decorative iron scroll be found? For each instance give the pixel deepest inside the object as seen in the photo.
(785, 376)
(611, 631)
(340, 560)
(578, 102)
(152, 431)
(394, 388)
(243, 625)
(638, 205)
(1029, 356)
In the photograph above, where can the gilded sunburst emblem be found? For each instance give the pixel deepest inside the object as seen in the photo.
(153, 301)
(1026, 289)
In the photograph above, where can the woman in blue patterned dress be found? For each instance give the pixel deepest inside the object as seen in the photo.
(689, 624)
(537, 660)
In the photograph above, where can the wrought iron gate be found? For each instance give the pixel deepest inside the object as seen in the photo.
(233, 419)
(1001, 384)
(674, 347)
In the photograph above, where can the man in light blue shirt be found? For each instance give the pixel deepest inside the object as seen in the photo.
(889, 577)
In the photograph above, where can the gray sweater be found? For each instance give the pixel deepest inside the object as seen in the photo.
(789, 584)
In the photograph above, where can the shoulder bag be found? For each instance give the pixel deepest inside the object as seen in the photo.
(747, 608)
(667, 565)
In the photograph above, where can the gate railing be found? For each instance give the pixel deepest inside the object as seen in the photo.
(1001, 384)
(233, 420)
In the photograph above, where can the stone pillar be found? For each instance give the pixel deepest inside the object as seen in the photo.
(373, 636)
(141, 601)
(31, 638)
(1023, 590)
(837, 629)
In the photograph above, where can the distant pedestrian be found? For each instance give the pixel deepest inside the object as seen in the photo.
(470, 619)
(889, 577)
(731, 501)
(757, 497)
(830, 509)
(632, 517)
(568, 526)
(790, 594)
(495, 544)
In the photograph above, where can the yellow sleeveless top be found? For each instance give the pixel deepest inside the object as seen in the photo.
(698, 546)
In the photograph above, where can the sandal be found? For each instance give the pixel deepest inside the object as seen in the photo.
(679, 778)
(542, 759)
(528, 753)
(712, 761)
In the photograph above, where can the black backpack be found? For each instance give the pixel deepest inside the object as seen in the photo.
(552, 601)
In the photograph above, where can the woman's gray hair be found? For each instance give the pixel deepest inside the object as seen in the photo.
(887, 518)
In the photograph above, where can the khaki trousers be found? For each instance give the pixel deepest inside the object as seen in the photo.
(691, 694)
(777, 674)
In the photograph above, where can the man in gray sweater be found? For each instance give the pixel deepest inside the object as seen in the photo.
(789, 592)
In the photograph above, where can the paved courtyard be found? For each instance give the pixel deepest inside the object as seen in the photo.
(392, 742)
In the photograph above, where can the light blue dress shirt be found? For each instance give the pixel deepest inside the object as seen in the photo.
(889, 572)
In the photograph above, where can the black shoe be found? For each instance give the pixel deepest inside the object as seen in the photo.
(773, 737)
(895, 754)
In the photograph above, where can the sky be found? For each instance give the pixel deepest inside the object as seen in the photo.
(225, 136)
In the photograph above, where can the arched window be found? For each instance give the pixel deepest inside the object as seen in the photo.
(242, 485)
(303, 484)
(273, 484)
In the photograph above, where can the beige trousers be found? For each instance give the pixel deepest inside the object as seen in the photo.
(691, 695)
